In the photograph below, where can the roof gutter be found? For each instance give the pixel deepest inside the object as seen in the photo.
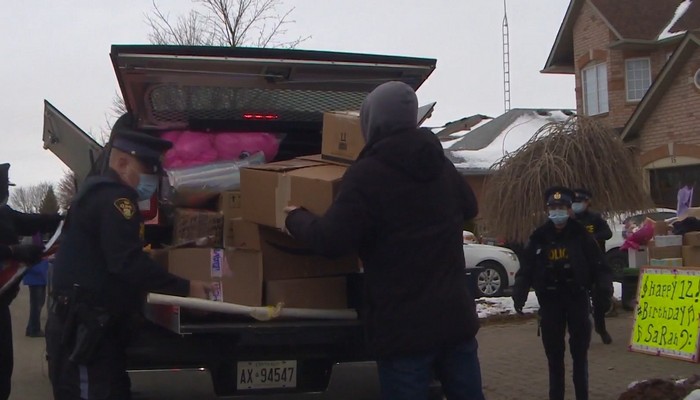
(645, 43)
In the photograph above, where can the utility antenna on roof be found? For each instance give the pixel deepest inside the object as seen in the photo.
(506, 60)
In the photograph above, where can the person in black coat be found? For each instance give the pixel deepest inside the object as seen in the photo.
(402, 206)
(599, 228)
(562, 262)
(101, 272)
(14, 224)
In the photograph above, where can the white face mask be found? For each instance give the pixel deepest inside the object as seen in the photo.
(558, 217)
(578, 207)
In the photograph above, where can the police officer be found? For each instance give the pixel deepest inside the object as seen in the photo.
(12, 225)
(101, 272)
(561, 262)
(599, 228)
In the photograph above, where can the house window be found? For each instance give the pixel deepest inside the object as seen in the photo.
(595, 89)
(638, 72)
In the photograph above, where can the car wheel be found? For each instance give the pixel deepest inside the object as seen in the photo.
(617, 260)
(492, 281)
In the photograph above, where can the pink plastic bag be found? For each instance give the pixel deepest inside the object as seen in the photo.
(192, 148)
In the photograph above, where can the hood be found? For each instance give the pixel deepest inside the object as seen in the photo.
(388, 119)
(416, 152)
(390, 108)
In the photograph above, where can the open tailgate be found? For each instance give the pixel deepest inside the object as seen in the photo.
(174, 87)
(68, 142)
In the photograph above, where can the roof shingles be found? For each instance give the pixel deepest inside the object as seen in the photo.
(646, 19)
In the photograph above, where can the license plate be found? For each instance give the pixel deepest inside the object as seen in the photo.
(267, 374)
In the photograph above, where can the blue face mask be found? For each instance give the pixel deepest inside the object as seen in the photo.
(578, 207)
(148, 184)
(559, 217)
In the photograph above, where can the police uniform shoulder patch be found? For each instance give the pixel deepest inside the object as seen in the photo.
(126, 207)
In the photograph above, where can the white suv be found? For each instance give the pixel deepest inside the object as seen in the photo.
(499, 267)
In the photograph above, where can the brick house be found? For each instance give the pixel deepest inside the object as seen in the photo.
(636, 64)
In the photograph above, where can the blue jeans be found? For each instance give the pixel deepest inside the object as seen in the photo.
(37, 298)
(456, 367)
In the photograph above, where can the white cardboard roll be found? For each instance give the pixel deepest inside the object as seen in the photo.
(259, 313)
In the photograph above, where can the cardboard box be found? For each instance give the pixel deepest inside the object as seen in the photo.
(190, 224)
(637, 258)
(666, 262)
(270, 187)
(286, 258)
(668, 240)
(228, 238)
(245, 234)
(692, 212)
(235, 274)
(691, 239)
(160, 257)
(319, 293)
(342, 139)
(661, 228)
(691, 256)
(230, 204)
(665, 252)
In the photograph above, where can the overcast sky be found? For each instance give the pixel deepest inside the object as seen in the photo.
(59, 51)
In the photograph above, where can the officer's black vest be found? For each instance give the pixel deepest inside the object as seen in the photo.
(80, 259)
(588, 220)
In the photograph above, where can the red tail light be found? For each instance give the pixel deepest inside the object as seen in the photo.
(260, 116)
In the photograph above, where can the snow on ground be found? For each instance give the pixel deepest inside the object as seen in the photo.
(491, 306)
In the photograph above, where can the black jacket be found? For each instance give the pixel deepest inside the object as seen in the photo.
(585, 258)
(14, 224)
(102, 249)
(596, 225)
(402, 206)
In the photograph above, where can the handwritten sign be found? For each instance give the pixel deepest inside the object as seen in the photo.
(668, 312)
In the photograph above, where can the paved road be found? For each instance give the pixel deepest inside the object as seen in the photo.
(513, 364)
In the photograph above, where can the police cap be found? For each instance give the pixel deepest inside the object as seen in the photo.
(558, 195)
(582, 194)
(5, 175)
(146, 148)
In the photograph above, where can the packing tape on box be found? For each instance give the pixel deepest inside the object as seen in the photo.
(283, 194)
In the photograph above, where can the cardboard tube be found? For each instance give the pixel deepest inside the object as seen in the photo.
(259, 313)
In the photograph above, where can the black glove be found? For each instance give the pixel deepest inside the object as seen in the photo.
(518, 305)
(29, 254)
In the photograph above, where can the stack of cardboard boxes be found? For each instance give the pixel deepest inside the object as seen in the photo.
(251, 261)
(667, 250)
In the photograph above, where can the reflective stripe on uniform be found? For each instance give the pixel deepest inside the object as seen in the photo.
(83, 382)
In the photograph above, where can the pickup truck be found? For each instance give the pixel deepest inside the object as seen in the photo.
(248, 90)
